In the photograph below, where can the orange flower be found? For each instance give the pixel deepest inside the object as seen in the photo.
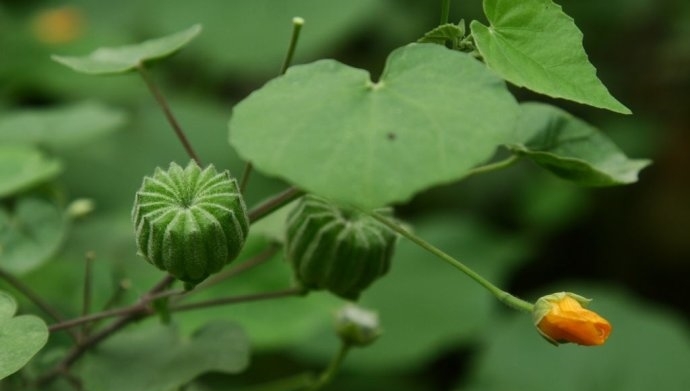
(561, 317)
(58, 25)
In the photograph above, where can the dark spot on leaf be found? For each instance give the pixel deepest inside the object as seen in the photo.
(391, 136)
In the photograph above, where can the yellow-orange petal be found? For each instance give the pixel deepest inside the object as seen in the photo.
(567, 321)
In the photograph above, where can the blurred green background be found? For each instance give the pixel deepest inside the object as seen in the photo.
(628, 247)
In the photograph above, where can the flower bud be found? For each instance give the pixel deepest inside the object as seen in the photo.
(190, 222)
(356, 326)
(335, 248)
(80, 208)
(561, 318)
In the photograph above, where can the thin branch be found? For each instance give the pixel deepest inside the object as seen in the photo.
(34, 298)
(500, 294)
(163, 103)
(295, 291)
(445, 11)
(245, 176)
(258, 259)
(77, 351)
(31, 295)
(87, 294)
(280, 199)
(297, 24)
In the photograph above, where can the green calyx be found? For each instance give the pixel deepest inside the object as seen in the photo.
(190, 222)
(338, 249)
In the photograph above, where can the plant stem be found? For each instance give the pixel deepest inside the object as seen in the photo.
(258, 259)
(297, 24)
(295, 291)
(332, 369)
(273, 203)
(445, 11)
(77, 351)
(88, 280)
(500, 294)
(163, 103)
(34, 298)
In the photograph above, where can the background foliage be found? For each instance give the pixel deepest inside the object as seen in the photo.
(530, 232)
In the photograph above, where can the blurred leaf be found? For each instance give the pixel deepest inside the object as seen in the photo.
(113, 60)
(250, 37)
(22, 167)
(30, 233)
(647, 350)
(157, 358)
(425, 306)
(433, 115)
(572, 149)
(59, 127)
(534, 44)
(21, 337)
(445, 32)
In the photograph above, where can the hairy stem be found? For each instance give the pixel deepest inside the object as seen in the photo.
(273, 203)
(94, 339)
(163, 103)
(295, 291)
(445, 11)
(332, 369)
(88, 280)
(258, 259)
(34, 298)
(297, 24)
(500, 294)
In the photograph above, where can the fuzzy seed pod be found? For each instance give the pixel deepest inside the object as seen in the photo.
(190, 222)
(338, 249)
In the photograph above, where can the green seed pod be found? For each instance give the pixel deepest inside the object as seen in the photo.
(338, 249)
(190, 222)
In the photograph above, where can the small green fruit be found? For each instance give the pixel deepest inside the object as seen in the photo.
(190, 222)
(338, 249)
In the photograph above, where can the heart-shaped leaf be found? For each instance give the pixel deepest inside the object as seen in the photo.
(23, 166)
(60, 127)
(30, 233)
(157, 358)
(21, 337)
(573, 149)
(330, 130)
(114, 60)
(534, 44)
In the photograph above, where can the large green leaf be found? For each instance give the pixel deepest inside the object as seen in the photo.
(573, 149)
(23, 166)
(21, 337)
(647, 350)
(157, 358)
(534, 44)
(30, 233)
(113, 60)
(62, 126)
(330, 130)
